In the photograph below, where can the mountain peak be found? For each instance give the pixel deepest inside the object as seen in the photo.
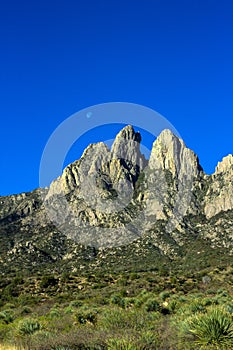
(167, 133)
(128, 133)
(225, 165)
(169, 152)
(127, 147)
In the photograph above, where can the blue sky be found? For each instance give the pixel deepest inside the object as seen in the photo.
(58, 57)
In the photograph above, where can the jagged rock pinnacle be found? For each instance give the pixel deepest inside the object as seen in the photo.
(128, 133)
(127, 147)
(225, 165)
(170, 153)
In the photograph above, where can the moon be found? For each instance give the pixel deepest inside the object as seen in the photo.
(89, 114)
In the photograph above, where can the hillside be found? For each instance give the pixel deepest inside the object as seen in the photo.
(120, 253)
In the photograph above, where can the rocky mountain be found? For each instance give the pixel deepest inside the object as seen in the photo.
(112, 206)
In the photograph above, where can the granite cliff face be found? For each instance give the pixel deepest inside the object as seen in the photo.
(114, 199)
(219, 195)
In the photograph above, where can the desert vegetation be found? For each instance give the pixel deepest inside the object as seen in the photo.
(155, 309)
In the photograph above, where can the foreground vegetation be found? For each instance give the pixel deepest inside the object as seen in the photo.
(156, 309)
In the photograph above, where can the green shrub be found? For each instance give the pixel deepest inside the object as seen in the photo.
(207, 301)
(54, 313)
(229, 308)
(213, 328)
(68, 310)
(114, 319)
(4, 329)
(9, 306)
(28, 327)
(120, 344)
(76, 303)
(164, 295)
(210, 292)
(138, 302)
(7, 316)
(152, 305)
(196, 307)
(173, 305)
(10, 291)
(148, 340)
(28, 299)
(222, 292)
(87, 316)
(134, 276)
(118, 300)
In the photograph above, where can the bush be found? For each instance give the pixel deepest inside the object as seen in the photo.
(164, 295)
(7, 316)
(152, 305)
(9, 306)
(148, 340)
(120, 344)
(213, 328)
(76, 303)
(118, 319)
(28, 327)
(114, 319)
(54, 313)
(118, 300)
(87, 316)
(196, 307)
(4, 329)
(173, 306)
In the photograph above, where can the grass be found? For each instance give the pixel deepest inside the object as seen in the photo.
(130, 310)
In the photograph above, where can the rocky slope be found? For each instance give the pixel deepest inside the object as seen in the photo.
(114, 203)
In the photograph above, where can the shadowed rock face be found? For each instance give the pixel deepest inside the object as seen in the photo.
(111, 198)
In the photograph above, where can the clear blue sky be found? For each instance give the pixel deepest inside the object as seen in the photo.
(58, 57)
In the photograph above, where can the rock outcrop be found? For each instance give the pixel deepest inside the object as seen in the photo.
(112, 197)
(172, 174)
(219, 197)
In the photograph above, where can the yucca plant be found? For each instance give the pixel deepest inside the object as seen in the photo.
(120, 344)
(7, 316)
(212, 328)
(28, 327)
(148, 340)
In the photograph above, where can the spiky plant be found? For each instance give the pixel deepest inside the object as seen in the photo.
(28, 327)
(7, 316)
(212, 328)
(120, 344)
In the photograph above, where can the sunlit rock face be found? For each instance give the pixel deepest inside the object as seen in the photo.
(112, 197)
(219, 196)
